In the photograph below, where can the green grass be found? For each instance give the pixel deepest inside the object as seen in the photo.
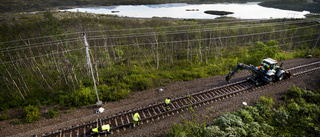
(298, 116)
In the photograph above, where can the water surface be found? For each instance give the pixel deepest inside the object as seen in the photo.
(249, 10)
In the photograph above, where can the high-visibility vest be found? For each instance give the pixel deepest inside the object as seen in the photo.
(167, 101)
(136, 116)
(95, 130)
(106, 127)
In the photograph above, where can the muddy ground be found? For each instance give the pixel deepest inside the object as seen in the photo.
(72, 117)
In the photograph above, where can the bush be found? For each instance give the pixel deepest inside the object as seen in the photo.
(213, 131)
(179, 130)
(245, 115)
(228, 120)
(114, 95)
(84, 96)
(16, 121)
(52, 113)
(254, 112)
(295, 92)
(31, 113)
(267, 101)
(5, 117)
(143, 84)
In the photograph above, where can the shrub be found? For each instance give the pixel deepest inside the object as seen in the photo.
(267, 101)
(31, 113)
(245, 115)
(213, 131)
(52, 113)
(295, 92)
(5, 117)
(16, 121)
(114, 95)
(143, 84)
(228, 120)
(84, 96)
(254, 112)
(179, 130)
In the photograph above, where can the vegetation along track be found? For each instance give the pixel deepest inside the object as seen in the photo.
(154, 112)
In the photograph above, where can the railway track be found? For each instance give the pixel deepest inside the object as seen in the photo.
(123, 120)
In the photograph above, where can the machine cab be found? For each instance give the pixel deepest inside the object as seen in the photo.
(269, 64)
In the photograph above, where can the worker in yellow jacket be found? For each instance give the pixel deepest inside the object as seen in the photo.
(136, 118)
(167, 103)
(103, 129)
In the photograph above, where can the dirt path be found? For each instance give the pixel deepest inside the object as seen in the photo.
(142, 98)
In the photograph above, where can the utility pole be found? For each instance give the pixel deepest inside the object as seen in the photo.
(314, 46)
(99, 103)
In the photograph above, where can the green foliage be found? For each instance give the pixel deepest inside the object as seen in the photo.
(143, 84)
(16, 121)
(254, 113)
(295, 92)
(4, 117)
(228, 120)
(246, 116)
(52, 113)
(298, 118)
(266, 101)
(261, 51)
(179, 130)
(31, 113)
(213, 131)
(83, 96)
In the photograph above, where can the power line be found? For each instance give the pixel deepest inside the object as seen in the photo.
(134, 34)
(300, 21)
(190, 40)
(185, 31)
(35, 44)
(156, 33)
(153, 43)
(205, 38)
(95, 32)
(185, 40)
(40, 56)
(65, 34)
(273, 46)
(5, 50)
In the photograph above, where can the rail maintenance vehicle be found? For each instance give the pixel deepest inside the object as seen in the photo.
(268, 71)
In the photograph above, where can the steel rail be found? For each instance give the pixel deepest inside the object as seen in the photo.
(153, 112)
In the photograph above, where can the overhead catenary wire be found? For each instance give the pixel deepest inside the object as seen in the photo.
(41, 56)
(202, 39)
(6, 50)
(111, 31)
(190, 31)
(145, 44)
(99, 38)
(166, 32)
(197, 25)
(192, 40)
(41, 43)
(65, 34)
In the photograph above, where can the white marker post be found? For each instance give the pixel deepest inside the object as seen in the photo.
(99, 103)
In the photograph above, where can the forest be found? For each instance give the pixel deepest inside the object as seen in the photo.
(296, 115)
(43, 60)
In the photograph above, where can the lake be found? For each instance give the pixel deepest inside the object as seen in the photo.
(250, 10)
